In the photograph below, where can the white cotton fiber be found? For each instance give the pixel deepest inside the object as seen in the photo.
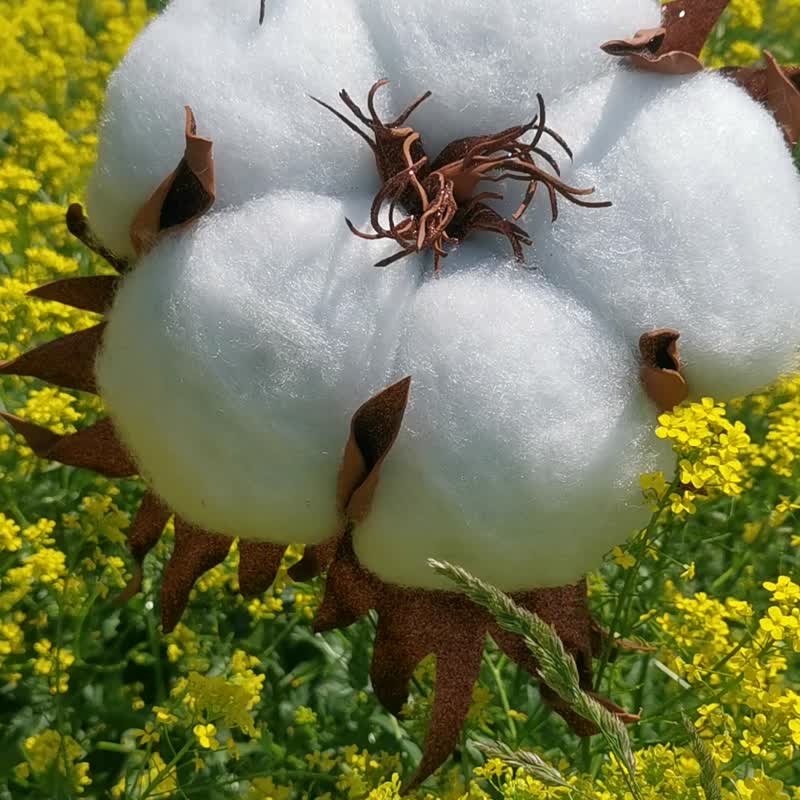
(704, 232)
(249, 87)
(485, 62)
(236, 354)
(522, 444)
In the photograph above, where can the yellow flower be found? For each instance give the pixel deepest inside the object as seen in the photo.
(205, 736)
(777, 624)
(303, 715)
(783, 590)
(622, 558)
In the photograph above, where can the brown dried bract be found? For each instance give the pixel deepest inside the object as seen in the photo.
(776, 87)
(90, 293)
(414, 623)
(441, 199)
(673, 48)
(97, 447)
(661, 368)
(67, 361)
(182, 196)
(373, 430)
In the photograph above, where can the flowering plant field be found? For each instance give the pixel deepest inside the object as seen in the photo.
(242, 699)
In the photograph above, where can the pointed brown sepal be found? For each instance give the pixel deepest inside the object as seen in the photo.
(674, 48)
(195, 552)
(648, 40)
(142, 535)
(90, 293)
(258, 566)
(67, 361)
(457, 666)
(373, 430)
(688, 23)
(350, 591)
(182, 197)
(661, 368)
(393, 665)
(778, 88)
(78, 226)
(783, 99)
(97, 447)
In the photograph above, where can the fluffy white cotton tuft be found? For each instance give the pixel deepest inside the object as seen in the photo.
(249, 87)
(522, 444)
(485, 63)
(236, 354)
(704, 233)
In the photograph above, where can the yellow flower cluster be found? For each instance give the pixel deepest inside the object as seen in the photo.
(50, 750)
(737, 660)
(709, 449)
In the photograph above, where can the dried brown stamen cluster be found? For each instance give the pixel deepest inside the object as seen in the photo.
(441, 199)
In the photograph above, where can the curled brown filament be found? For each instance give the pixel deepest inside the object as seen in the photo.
(388, 140)
(441, 199)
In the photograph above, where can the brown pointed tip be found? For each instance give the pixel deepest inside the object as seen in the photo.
(39, 439)
(89, 293)
(673, 48)
(783, 99)
(689, 23)
(648, 40)
(676, 62)
(77, 223)
(132, 588)
(194, 553)
(67, 361)
(258, 566)
(183, 196)
(373, 430)
(661, 368)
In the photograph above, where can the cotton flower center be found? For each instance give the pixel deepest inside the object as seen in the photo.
(441, 199)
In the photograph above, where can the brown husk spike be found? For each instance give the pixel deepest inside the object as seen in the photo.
(373, 431)
(89, 293)
(195, 552)
(67, 361)
(674, 48)
(143, 535)
(661, 368)
(413, 623)
(258, 565)
(97, 447)
(783, 97)
(182, 197)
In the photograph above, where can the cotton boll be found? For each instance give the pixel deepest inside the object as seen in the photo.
(485, 63)
(522, 443)
(249, 87)
(704, 232)
(236, 354)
